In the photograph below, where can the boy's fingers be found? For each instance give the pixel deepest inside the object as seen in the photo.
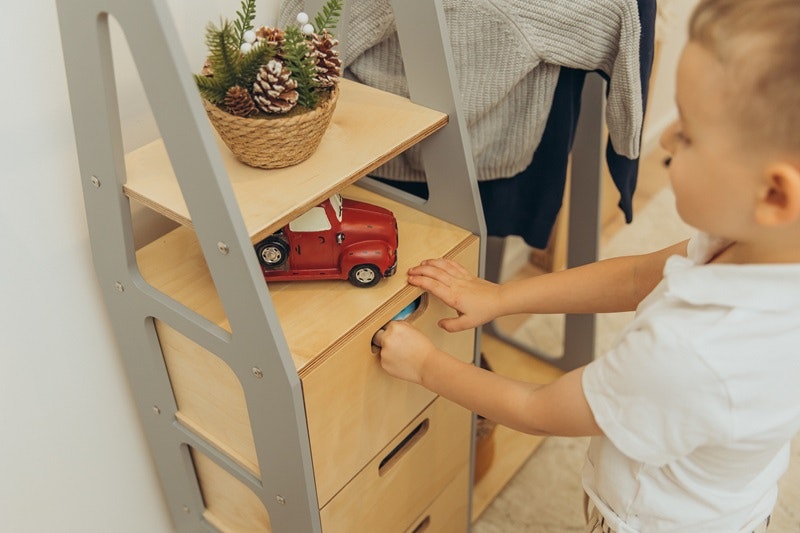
(437, 288)
(439, 267)
(451, 325)
(377, 339)
(431, 271)
(426, 282)
(457, 270)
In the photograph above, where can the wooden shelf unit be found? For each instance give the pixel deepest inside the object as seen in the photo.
(264, 406)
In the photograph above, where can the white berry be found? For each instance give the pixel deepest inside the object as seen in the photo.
(302, 18)
(246, 47)
(249, 36)
(308, 29)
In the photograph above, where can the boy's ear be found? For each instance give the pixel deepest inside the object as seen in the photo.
(779, 202)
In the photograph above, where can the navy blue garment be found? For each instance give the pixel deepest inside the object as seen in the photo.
(528, 203)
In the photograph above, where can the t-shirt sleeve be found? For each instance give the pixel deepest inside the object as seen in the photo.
(655, 398)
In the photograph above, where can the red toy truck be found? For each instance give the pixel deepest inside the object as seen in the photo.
(339, 239)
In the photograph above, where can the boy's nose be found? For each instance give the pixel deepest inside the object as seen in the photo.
(668, 138)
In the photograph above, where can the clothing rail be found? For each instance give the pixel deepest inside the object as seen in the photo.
(583, 240)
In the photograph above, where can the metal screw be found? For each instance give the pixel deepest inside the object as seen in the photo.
(257, 372)
(156, 410)
(95, 181)
(280, 499)
(223, 248)
(119, 286)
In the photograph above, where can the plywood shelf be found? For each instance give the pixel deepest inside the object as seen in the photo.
(369, 127)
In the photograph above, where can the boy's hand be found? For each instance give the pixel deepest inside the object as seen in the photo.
(404, 350)
(476, 300)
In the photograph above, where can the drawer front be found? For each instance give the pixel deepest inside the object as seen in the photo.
(354, 407)
(406, 476)
(448, 513)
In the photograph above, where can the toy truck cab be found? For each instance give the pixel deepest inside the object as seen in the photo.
(339, 238)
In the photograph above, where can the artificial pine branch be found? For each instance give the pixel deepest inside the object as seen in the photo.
(211, 88)
(302, 66)
(328, 17)
(244, 22)
(251, 63)
(224, 53)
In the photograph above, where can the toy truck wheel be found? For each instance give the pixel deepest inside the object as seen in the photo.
(272, 252)
(364, 275)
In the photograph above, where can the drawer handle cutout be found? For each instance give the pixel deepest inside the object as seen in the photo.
(422, 526)
(398, 451)
(414, 309)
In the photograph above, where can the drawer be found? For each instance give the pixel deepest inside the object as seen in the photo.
(354, 407)
(406, 476)
(448, 513)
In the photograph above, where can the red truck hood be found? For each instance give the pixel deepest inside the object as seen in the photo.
(367, 220)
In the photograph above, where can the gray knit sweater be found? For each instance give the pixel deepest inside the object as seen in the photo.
(507, 56)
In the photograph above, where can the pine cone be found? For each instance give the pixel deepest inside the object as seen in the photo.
(239, 102)
(329, 66)
(274, 88)
(273, 36)
(207, 68)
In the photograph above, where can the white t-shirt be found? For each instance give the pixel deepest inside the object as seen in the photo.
(699, 398)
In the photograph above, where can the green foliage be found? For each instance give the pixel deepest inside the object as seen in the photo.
(211, 88)
(251, 63)
(223, 57)
(328, 17)
(230, 66)
(301, 65)
(244, 22)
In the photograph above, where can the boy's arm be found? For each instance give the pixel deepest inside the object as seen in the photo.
(559, 408)
(611, 285)
(607, 286)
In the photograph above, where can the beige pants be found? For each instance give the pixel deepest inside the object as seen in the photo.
(595, 523)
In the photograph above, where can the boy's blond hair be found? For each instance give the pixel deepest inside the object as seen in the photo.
(758, 44)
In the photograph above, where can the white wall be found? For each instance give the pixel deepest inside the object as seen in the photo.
(72, 453)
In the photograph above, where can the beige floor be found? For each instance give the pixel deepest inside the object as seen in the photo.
(545, 495)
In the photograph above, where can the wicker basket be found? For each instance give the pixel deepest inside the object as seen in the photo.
(276, 141)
